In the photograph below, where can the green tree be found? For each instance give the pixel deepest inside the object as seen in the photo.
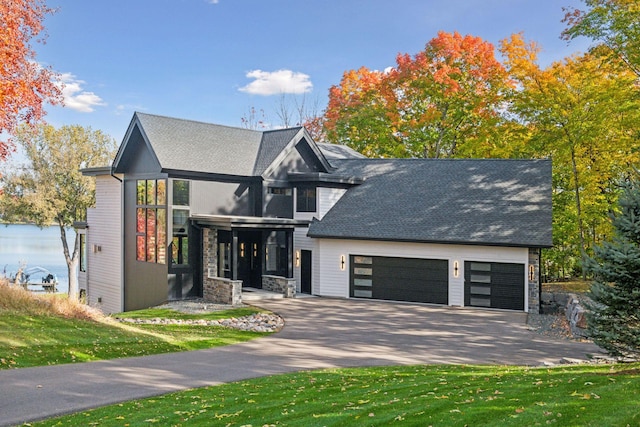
(583, 113)
(614, 23)
(49, 188)
(614, 316)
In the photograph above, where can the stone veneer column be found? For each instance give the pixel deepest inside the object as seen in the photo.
(534, 282)
(209, 253)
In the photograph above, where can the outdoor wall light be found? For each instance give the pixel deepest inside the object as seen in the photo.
(456, 269)
(343, 262)
(242, 250)
(297, 258)
(532, 272)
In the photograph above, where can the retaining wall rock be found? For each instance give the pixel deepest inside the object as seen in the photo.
(576, 315)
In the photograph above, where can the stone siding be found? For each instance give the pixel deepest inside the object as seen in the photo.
(222, 291)
(283, 285)
(534, 280)
(209, 253)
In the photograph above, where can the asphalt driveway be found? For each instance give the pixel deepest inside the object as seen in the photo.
(318, 333)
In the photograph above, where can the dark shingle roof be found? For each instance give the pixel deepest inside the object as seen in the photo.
(337, 151)
(490, 202)
(188, 145)
(273, 142)
(202, 147)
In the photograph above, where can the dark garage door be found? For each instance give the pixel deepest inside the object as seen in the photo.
(494, 285)
(400, 279)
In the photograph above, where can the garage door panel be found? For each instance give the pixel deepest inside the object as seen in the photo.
(417, 291)
(495, 285)
(401, 279)
(411, 275)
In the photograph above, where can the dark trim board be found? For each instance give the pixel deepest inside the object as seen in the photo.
(399, 279)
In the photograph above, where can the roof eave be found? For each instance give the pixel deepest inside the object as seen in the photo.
(209, 176)
(97, 171)
(431, 241)
(231, 221)
(325, 178)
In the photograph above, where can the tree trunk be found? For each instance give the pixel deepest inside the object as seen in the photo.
(441, 132)
(578, 210)
(72, 261)
(72, 267)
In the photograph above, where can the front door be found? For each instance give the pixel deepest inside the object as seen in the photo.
(305, 272)
(250, 259)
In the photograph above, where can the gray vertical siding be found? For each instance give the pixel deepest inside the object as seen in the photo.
(104, 247)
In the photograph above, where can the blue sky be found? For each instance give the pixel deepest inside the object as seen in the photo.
(212, 60)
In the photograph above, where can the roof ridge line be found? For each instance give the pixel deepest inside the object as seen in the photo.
(199, 121)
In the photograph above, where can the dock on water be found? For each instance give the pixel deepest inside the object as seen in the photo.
(49, 287)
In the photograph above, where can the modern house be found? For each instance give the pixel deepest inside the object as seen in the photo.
(191, 209)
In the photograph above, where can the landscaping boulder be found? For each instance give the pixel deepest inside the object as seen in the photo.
(576, 315)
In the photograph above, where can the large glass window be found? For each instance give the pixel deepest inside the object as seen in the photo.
(276, 255)
(151, 220)
(306, 199)
(180, 223)
(180, 238)
(180, 193)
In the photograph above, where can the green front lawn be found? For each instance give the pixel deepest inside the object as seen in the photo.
(441, 395)
(35, 340)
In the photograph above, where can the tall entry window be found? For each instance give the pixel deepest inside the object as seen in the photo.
(180, 220)
(151, 220)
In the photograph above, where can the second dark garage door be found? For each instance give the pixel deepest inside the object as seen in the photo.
(400, 279)
(494, 285)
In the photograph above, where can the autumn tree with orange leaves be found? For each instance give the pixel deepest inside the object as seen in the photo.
(442, 102)
(25, 85)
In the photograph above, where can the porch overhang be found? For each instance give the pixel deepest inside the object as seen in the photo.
(229, 222)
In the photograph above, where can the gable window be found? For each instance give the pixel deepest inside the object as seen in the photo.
(306, 199)
(180, 220)
(151, 220)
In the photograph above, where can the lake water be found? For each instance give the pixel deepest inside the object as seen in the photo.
(37, 248)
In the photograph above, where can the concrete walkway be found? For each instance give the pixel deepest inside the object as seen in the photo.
(318, 333)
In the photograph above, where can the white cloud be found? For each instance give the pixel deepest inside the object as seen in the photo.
(213, 1)
(75, 97)
(277, 82)
(128, 108)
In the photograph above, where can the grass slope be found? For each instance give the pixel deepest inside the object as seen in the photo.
(47, 330)
(440, 395)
